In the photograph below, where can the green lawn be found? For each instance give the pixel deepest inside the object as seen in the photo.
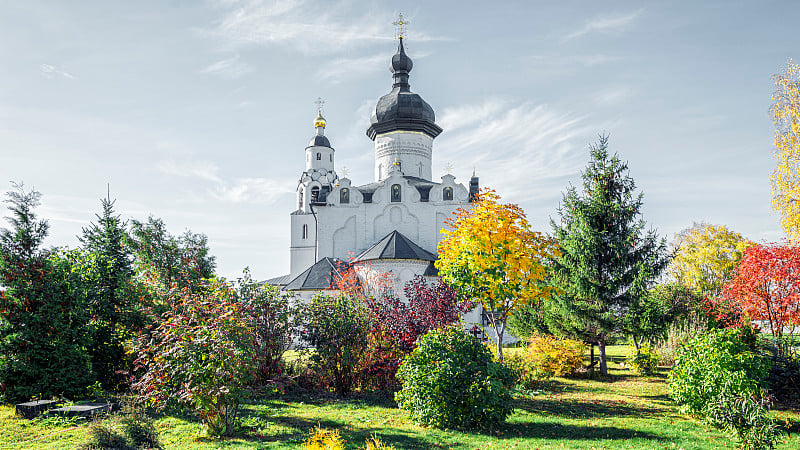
(624, 412)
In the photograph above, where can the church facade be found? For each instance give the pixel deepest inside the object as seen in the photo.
(388, 228)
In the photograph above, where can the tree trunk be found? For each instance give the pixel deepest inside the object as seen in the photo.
(601, 345)
(591, 355)
(499, 335)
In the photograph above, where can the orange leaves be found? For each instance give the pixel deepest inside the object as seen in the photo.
(766, 286)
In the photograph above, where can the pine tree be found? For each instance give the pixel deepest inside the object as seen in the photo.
(108, 271)
(43, 318)
(607, 261)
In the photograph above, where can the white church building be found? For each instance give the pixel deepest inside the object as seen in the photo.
(388, 228)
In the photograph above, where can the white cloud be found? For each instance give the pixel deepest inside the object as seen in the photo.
(309, 28)
(524, 150)
(230, 68)
(340, 69)
(252, 190)
(51, 71)
(205, 170)
(612, 96)
(240, 190)
(604, 24)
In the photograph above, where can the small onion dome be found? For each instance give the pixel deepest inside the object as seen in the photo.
(320, 140)
(319, 121)
(402, 109)
(400, 61)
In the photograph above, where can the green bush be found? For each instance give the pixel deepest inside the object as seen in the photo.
(644, 361)
(451, 381)
(199, 356)
(711, 362)
(131, 429)
(337, 328)
(746, 417)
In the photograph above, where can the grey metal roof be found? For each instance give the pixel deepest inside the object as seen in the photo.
(396, 246)
(402, 109)
(431, 271)
(319, 141)
(319, 276)
(280, 281)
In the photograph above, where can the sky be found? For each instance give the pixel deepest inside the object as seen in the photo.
(198, 112)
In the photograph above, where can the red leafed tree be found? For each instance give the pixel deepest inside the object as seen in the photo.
(766, 287)
(398, 324)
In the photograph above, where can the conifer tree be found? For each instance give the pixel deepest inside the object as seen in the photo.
(108, 271)
(607, 260)
(43, 318)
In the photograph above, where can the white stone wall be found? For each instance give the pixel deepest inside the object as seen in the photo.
(325, 160)
(412, 149)
(345, 230)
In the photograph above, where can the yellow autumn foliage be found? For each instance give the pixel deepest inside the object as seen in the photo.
(786, 175)
(323, 439)
(374, 443)
(706, 256)
(548, 356)
(490, 253)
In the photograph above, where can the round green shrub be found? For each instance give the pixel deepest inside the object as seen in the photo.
(711, 364)
(451, 381)
(644, 361)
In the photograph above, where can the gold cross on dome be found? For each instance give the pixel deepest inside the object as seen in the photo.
(320, 103)
(400, 27)
(448, 168)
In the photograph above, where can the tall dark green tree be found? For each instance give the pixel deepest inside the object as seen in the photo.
(107, 268)
(167, 261)
(608, 261)
(43, 320)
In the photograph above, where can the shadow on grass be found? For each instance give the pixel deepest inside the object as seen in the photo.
(559, 431)
(581, 409)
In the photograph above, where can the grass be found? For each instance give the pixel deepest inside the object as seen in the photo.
(624, 411)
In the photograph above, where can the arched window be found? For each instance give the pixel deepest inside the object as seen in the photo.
(344, 195)
(305, 231)
(447, 193)
(314, 194)
(319, 156)
(300, 200)
(396, 197)
(331, 155)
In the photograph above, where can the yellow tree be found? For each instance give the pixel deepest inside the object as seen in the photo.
(490, 254)
(786, 176)
(706, 256)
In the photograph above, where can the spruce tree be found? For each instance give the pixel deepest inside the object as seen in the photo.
(607, 260)
(43, 330)
(108, 271)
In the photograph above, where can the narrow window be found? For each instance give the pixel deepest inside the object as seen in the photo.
(396, 193)
(447, 193)
(314, 194)
(319, 156)
(331, 156)
(344, 195)
(305, 231)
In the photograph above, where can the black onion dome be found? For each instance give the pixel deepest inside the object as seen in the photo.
(319, 141)
(402, 109)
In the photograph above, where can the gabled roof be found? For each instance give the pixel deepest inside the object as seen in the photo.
(396, 246)
(318, 276)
